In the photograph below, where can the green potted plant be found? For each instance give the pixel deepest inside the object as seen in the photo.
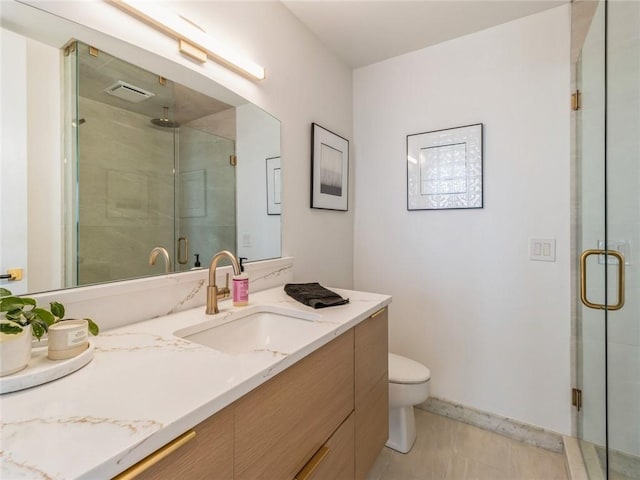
(20, 320)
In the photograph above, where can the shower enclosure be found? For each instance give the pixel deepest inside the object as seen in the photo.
(148, 167)
(608, 239)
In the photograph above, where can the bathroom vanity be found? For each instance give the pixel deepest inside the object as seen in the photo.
(153, 404)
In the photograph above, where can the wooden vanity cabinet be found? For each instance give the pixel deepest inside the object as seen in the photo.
(323, 418)
(281, 424)
(371, 391)
(354, 447)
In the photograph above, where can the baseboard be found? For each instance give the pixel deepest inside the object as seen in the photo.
(507, 427)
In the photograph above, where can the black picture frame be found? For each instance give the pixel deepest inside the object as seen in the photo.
(329, 170)
(274, 185)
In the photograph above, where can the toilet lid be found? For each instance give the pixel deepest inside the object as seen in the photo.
(405, 370)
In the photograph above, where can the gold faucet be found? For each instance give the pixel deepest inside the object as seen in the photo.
(213, 292)
(154, 255)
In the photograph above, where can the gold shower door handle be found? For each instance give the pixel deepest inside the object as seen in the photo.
(583, 279)
(183, 256)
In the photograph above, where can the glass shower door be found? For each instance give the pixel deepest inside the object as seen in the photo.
(623, 235)
(608, 139)
(590, 127)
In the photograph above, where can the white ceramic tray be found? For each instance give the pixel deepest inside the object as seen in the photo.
(42, 370)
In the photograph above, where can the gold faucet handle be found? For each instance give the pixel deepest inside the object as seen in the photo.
(224, 292)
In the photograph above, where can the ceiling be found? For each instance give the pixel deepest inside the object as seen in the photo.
(101, 70)
(366, 32)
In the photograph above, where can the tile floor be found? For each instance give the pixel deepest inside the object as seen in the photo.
(449, 450)
(594, 461)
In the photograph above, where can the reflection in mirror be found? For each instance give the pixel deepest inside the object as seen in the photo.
(154, 168)
(146, 162)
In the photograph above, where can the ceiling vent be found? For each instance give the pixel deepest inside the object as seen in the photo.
(128, 92)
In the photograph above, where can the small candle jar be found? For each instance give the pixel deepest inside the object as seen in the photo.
(68, 339)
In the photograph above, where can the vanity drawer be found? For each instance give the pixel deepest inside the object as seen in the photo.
(334, 461)
(371, 352)
(205, 454)
(280, 425)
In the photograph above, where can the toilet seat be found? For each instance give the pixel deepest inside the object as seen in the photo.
(403, 370)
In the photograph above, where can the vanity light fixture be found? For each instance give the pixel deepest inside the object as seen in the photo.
(192, 41)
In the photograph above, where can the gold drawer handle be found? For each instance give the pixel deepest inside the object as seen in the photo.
(313, 464)
(155, 457)
(379, 312)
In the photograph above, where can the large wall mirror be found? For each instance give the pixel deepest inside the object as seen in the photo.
(104, 161)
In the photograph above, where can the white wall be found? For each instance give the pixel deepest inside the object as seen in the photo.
(13, 174)
(305, 83)
(44, 148)
(493, 326)
(258, 135)
(30, 217)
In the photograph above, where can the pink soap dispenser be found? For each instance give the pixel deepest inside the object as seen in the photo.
(241, 287)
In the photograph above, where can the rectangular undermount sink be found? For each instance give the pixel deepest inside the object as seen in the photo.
(260, 328)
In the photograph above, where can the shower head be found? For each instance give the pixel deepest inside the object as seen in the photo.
(164, 121)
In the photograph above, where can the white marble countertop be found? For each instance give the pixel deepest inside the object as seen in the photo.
(144, 387)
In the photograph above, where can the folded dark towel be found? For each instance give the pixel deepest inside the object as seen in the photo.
(314, 295)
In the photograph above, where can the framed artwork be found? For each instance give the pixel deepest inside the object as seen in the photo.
(329, 169)
(444, 169)
(273, 186)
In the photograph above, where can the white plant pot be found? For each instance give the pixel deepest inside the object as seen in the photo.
(15, 351)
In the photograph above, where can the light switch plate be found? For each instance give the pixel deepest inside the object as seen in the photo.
(542, 249)
(246, 240)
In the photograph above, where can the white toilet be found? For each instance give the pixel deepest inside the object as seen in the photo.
(408, 386)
